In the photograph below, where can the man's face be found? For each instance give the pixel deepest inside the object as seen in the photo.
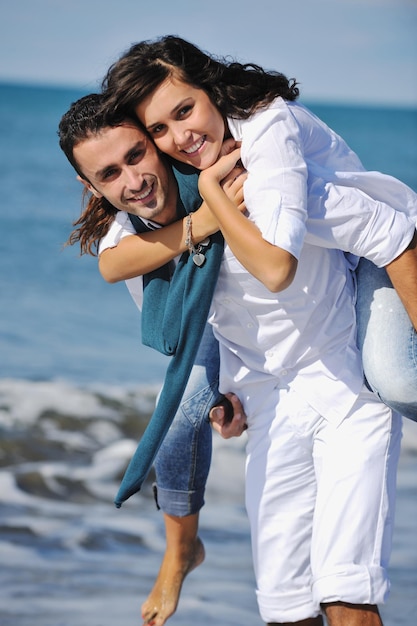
(122, 164)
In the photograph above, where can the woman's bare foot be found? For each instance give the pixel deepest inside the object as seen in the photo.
(180, 558)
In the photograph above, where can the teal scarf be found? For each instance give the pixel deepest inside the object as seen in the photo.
(174, 314)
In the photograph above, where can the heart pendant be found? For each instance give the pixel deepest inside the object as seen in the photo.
(199, 259)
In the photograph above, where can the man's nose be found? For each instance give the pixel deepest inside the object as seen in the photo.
(133, 179)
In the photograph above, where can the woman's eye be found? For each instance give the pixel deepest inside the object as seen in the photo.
(156, 130)
(184, 110)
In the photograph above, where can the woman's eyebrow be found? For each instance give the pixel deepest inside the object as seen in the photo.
(171, 112)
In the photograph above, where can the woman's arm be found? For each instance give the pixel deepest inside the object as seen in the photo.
(273, 266)
(136, 255)
(139, 254)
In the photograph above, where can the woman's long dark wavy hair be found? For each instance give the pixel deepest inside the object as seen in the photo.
(237, 90)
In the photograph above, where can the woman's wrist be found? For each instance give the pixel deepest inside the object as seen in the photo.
(204, 223)
(207, 181)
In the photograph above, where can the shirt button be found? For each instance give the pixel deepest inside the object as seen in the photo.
(249, 325)
(284, 372)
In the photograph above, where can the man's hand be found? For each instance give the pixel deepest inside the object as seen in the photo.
(403, 274)
(229, 422)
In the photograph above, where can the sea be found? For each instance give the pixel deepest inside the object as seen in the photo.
(77, 388)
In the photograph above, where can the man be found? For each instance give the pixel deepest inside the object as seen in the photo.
(122, 169)
(145, 189)
(336, 612)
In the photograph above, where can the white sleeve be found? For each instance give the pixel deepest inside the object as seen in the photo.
(367, 214)
(120, 227)
(276, 188)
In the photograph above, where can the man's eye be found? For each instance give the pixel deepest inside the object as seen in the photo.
(109, 174)
(135, 156)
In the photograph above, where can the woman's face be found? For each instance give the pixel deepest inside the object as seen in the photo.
(183, 122)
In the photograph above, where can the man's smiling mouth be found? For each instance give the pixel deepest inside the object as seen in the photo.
(140, 197)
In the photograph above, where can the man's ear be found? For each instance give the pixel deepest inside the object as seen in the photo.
(89, 187)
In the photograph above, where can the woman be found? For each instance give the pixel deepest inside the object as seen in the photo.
(290, 355)
(342, 198)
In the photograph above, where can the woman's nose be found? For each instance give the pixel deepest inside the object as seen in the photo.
(181, 136)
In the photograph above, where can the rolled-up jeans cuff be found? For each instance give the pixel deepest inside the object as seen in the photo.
(179, 503)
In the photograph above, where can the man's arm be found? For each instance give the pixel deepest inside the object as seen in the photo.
(403, 275)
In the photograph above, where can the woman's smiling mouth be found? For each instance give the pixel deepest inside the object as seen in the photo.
(195, 147)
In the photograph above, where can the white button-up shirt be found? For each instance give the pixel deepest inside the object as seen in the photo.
(304, 336)
(304, 185)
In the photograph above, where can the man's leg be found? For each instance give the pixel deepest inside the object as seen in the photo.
(341, 614)
(280, 501)
(356, 463)
(182, 466)
(312, 621)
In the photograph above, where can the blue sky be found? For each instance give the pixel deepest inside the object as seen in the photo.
(362, 51)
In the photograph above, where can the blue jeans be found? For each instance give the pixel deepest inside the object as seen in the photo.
(387, 340)
(183, 461)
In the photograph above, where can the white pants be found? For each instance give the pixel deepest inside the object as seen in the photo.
(320, 500)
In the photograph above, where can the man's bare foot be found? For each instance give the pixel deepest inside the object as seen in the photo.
(163, 599)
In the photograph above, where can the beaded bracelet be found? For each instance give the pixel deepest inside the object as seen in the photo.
(198, 252)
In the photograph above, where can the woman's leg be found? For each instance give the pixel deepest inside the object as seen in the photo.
(387, 340)
(184, 552)
(182, 466)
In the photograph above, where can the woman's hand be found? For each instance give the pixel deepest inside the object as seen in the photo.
(227, 166)
(228, 146)
(232, 186)
(273, 266)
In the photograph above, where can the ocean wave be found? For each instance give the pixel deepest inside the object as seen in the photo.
(68, 442)
(62, 454)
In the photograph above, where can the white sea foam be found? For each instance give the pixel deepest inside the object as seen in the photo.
(75, 558)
